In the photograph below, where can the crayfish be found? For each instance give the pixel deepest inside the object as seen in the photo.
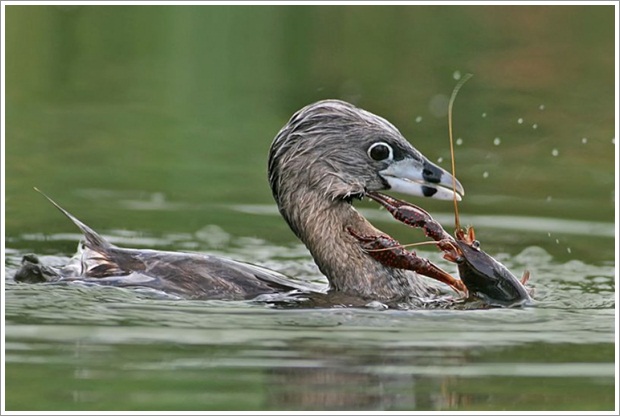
(480, 274)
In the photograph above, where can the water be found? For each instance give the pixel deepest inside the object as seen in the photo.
(152, 125)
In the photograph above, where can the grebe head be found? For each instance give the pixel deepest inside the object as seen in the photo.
(342, 151)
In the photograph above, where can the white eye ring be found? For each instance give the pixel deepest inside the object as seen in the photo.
(377, 151)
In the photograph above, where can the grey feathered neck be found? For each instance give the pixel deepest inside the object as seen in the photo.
(315, 169)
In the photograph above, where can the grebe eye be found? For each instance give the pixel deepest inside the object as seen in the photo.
(380, 151)
(475, 244)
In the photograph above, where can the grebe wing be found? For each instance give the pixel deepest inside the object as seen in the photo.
(190, 275)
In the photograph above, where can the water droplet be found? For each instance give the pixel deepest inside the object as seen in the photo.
(555, 152)
(439, 159)
(548, 234)
(484, 115)
(497, 141)
(549, 198)
(584, 140)
(557, 241)
(459, 141)
(541, 107)
(520, 120)
(613, 140)
(485, 175)
(438, 105)
(569, 250)
(456, 75)
(418, 119)
(534, 126)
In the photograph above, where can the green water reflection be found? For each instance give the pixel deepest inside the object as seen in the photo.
(158, 120)
(85, 377)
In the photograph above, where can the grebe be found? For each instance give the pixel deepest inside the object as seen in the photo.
(327, 155)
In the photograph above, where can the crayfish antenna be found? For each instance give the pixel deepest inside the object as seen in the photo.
(457, 223)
